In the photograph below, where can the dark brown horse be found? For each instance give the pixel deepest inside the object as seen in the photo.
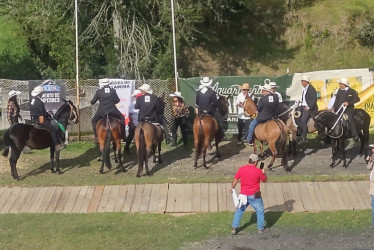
(148, 137)
(109, 129)
(20, 135)
(271, 131)
(205, 129)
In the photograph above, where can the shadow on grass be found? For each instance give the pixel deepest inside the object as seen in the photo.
(272, 215)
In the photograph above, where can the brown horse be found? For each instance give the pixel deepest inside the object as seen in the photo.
(109, 129)
(205, 129)
(148, 136)
(271, 132)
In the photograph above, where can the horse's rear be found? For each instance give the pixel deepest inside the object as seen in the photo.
(271, 132)
(109, 129)
(148, 138)
(205, 129)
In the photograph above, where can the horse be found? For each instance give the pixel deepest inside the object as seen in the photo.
(109, 129)
(332, 126)
(147, 136)
(205, 129)
(20, 135)
(271, 131)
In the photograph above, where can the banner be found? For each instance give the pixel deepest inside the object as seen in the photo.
(53, 93)
(124, 89)
(289, 86)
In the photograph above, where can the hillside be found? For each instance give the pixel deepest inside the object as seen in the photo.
(318, 37)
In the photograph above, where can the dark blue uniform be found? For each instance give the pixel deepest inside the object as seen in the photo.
(108, 99)
(350, 96)
(37, 109)
(149, 108)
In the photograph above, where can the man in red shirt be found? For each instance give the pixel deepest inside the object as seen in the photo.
(250, 177)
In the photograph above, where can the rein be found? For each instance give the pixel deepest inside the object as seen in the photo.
(338, 119)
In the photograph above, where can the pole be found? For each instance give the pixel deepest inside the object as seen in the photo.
(174, 46)
(76, 64)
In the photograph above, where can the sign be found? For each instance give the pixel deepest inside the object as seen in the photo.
(289, 86)
(124, 89)
(53, 93)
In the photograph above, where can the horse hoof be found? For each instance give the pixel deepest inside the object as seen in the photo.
(116, 161)
(218, 155)
(59, 172)
(101, 172)
(53, 171)
(138, 175)
(98, 158)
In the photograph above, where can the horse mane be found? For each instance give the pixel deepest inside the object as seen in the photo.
(61, 107)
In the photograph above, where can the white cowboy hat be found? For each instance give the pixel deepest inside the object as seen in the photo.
(206, 81)
(273, 84)
(104, 81)
(266, 87)
(177, 94)
(13, 93)
(344, 81)
(245, 86)
(37, 90)
(146, 88)
(305, 78)
(136, 92)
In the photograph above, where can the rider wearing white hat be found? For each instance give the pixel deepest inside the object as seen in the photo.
(267, 108)
(151, 108)
(13, 107)
(274, 86)
(348, 97)
(206, 102)
(308, 105)
(40, 116)
(108, 99)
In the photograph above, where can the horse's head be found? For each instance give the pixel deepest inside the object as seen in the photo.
(67, 113)
(250, 108)
(223, 107)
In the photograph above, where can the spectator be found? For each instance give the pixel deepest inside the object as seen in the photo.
(181, 112)
(133, 120)
(13, 108)
(243, 120)
(370, 165)
(250, 194)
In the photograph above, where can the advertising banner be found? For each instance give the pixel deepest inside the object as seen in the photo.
(289, 86)
(53, 93)
(124, 89)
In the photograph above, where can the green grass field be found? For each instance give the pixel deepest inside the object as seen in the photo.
(153, 231)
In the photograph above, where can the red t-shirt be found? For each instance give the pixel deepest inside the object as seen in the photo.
(250, 178)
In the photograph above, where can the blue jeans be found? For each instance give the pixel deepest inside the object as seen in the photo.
(251, 129)
(258, 206)
(372, 210)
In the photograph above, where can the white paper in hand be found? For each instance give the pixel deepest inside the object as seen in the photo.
(235, 198)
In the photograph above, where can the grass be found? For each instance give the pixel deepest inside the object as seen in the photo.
(153, 231)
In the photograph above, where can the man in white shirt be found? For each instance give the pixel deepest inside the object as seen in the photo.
(243, 120)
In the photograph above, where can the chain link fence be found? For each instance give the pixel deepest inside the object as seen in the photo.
(87, 89)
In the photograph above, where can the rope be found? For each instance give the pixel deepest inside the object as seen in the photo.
(338, 119)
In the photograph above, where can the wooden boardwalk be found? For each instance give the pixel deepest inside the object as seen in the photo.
(182, 198)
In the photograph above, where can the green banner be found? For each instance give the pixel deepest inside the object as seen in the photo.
(229, 85)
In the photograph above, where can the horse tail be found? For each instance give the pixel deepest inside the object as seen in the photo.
(106, 150)
(142, 148)
(200, 135)
(7, 142)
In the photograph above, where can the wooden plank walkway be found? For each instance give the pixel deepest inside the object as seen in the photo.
(183, 198)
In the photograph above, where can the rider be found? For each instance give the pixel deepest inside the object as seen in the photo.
(348, 97)
(267, 108)
(308, 105)
(151, 109)
(108, 99)
(40, 116)
(273, 90)
(207, 103)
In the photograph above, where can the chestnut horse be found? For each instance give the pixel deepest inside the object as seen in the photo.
(20, 135)
(109, 129)
(271, 132)
(148, 136)
(205, 129)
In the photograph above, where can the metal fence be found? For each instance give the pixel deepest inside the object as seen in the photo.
(87, 89)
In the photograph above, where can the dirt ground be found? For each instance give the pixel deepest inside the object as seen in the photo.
(290, 239)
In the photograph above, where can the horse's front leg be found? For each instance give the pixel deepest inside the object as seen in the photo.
(342, 146)
(58, 162)
(52, 158)
(14, 155)
(333, 151)
(159, 153)
(217, 150)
